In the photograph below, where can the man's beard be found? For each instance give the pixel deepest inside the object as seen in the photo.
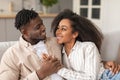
(38, 40)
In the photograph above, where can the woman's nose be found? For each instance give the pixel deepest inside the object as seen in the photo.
(58, 31)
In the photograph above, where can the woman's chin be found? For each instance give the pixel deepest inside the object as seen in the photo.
(59, 42)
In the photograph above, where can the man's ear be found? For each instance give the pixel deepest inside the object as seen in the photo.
(23, 31)
(75, 34)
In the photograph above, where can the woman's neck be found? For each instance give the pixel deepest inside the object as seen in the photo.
(68, 46)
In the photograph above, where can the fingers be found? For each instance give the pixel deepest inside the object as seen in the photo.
(58, 65)
(115, 70)
(44, 56)
(47, 59)
(53, 59)
(118, 68)
(114, 67)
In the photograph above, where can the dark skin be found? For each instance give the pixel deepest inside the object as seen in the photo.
(33, 32)
(113, 66)
(47, 69)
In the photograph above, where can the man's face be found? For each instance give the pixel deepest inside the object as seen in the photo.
(34, 31)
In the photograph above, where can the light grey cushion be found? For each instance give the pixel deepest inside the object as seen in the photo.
(4, 46)
(111, 46)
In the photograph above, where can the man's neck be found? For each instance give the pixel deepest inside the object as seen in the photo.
(32, 42)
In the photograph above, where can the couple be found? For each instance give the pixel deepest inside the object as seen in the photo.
(80, 45)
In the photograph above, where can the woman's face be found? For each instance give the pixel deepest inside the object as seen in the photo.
(64, 32)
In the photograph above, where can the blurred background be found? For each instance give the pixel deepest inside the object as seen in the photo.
(35, 4)
(9, 8)
(104, 13)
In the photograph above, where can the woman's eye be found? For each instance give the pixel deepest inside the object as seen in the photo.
(57, 28)
(63, 29)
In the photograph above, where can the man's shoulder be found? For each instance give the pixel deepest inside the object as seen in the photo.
(12, 47)
(52, 41)
(10, 51)
(51, 38)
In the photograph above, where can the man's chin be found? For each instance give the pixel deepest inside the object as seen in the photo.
(44, 38)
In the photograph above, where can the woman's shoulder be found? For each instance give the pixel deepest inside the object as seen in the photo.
(86, 44)
(88, 47)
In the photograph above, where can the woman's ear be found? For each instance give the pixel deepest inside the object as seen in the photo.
(75, 34)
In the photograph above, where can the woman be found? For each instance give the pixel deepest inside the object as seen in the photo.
(81, 42)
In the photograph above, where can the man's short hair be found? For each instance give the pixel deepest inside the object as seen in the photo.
(23, 17)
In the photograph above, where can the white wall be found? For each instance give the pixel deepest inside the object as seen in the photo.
(111, 46)
(110, 16)
(110, 25)
(17, 4)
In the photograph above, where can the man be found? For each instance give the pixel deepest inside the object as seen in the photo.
(20, 62)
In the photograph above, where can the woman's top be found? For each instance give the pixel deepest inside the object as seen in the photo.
(83, 62)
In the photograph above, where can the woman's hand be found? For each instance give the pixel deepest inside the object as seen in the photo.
(113, 66)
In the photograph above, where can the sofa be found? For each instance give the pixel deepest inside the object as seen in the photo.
(4, 46)
(110, 47)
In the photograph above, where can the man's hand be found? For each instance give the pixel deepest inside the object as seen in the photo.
(49, 66)
(111, 65)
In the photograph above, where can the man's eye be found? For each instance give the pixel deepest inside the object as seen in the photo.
(37, 27)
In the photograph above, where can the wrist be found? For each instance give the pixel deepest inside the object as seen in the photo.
(40, 75)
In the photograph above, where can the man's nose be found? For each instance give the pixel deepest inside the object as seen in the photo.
(43, 27)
